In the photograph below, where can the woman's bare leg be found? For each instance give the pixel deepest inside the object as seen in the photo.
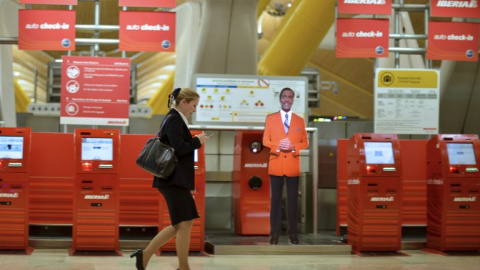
(158, 241)
(183, 243)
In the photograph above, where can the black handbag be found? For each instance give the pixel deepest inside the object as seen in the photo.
(157, 157)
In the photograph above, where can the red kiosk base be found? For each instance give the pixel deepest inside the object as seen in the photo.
(251, 185)
(453, 197)
(95, 219)
(374, 193)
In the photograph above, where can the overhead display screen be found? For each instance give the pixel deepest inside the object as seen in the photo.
(461, 154)
(245, 99)
(379, 153)
(11, 147)
(97, 149)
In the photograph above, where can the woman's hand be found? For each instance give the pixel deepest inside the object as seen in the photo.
(203, 137)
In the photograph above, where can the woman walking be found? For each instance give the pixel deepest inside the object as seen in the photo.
(176, 189)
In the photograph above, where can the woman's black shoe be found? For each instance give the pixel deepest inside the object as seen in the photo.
(274, 239)
(139, 257)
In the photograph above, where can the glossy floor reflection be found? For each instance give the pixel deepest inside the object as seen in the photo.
(52, 259)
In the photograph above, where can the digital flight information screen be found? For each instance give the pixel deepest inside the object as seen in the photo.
(11, 147)
(461, 154)
(97, 149)
(379, 153)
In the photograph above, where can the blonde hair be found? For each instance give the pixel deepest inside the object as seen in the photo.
(180, 94)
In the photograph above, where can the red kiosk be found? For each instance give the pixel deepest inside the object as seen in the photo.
(453, 196)
(251, 185)
(14, 159)
(95, 218)
(197, 236)
(374, 192)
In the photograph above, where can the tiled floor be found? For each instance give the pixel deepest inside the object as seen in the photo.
(52, 259)
(324, 251)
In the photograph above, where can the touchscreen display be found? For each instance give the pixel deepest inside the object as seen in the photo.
(379, 153)
(11, 147)
(97, 149)
(461, 154)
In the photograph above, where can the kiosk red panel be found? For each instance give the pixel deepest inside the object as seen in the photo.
(51, 179)
(138, 200)
(251, 185)
(95, 226)
(14, 161)
(374, 195)
(197, 238)
(453, 192)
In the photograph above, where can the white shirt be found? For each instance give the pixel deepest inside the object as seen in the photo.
(183, 117)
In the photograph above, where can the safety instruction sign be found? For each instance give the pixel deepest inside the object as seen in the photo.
(245, 99)
(407, 101)
(95, 91)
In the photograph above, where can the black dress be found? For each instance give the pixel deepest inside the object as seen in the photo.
(176, 189)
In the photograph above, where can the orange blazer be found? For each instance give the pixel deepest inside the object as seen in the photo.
(284, 162)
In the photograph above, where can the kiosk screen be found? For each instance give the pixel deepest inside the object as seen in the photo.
(97, 149)
(461, 154)
(379, 153)
(11, 147)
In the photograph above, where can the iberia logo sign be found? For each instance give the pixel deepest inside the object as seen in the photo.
(458, 8)
(365, 6)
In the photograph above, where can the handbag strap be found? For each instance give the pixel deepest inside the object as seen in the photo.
(159, 133)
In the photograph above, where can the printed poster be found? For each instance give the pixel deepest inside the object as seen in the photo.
(95, 91)
(407, 101)
(48, 30)
(357, 38)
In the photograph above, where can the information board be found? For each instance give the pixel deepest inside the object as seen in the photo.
(407, 101)
(245, 99)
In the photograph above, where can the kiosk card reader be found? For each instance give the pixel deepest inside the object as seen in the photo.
(453, 192)
(374, 194)
(95, 219)
(251, 185)
(14, 159)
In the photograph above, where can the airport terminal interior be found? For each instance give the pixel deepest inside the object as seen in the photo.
(398, 194)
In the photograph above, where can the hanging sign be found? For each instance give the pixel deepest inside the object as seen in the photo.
(459, 8)
(380, 7)
(407, 101)
(362, 38)
(49, 30)
(147, 31)
(147, 3)
(456, 41)
(95, 91)
(50, 2)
